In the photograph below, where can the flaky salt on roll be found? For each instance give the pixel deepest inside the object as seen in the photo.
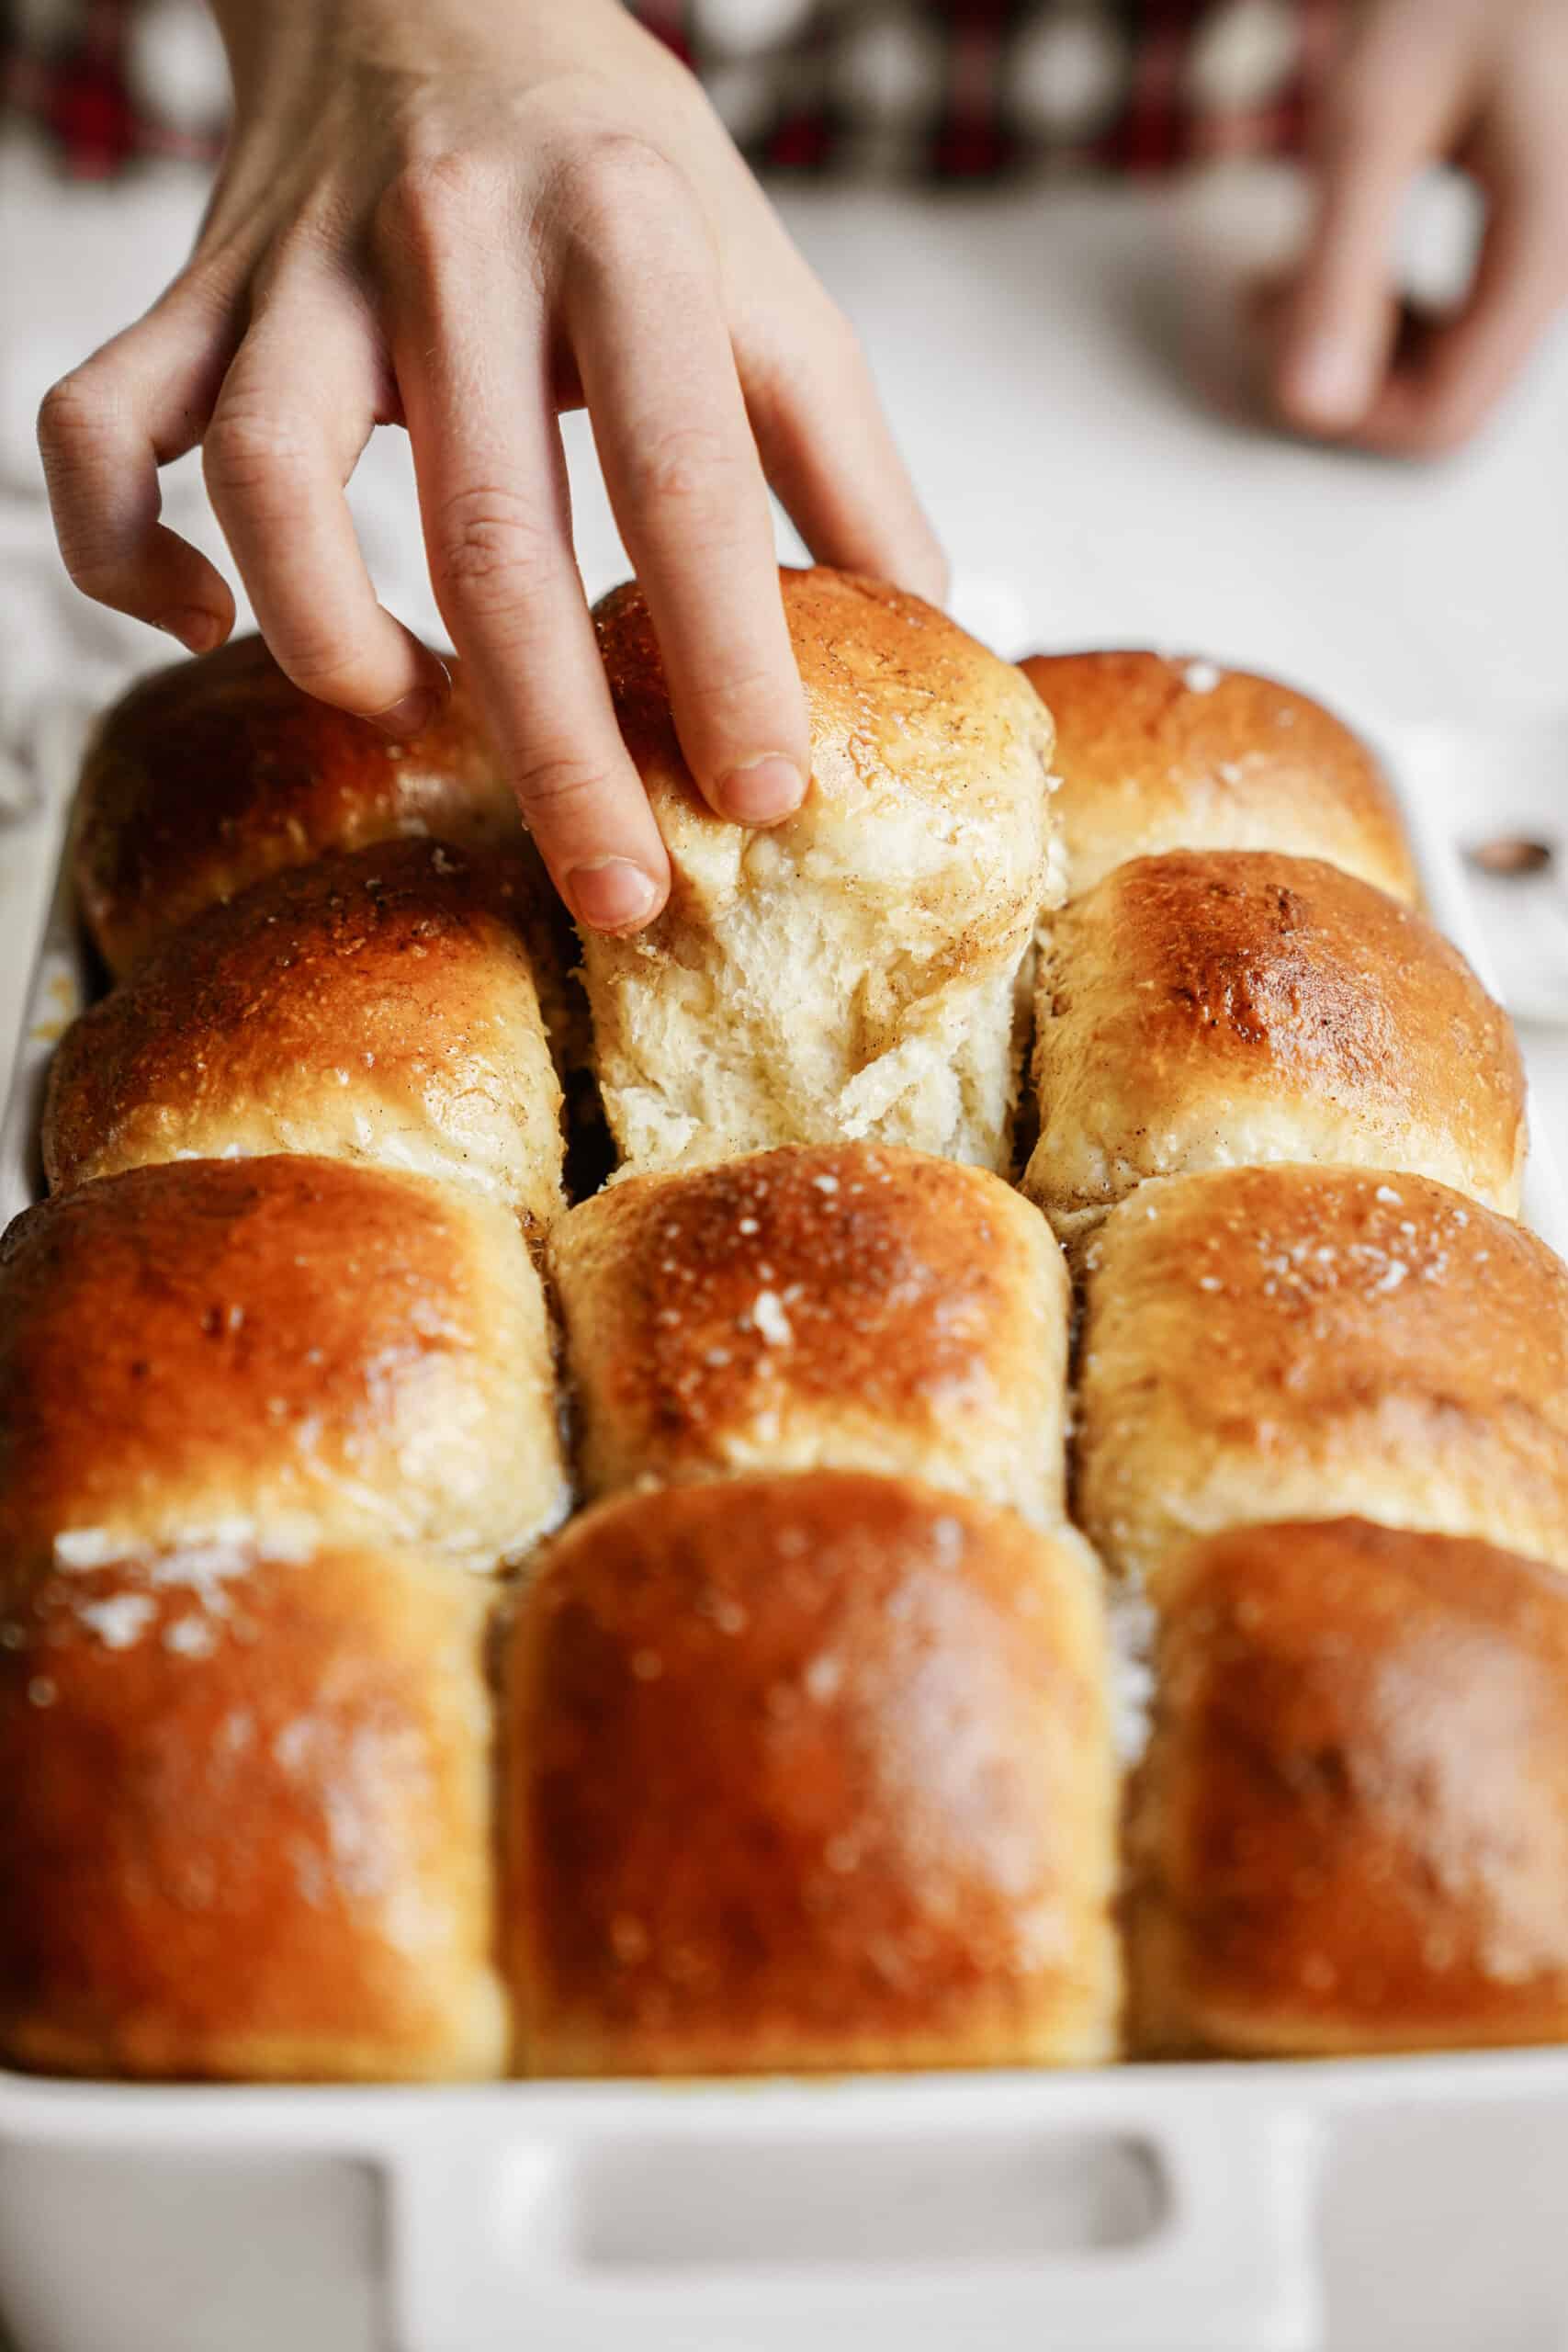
(854, 972)
(378, 1005)
(282, 1350)
(1350, 1831)
(1158, 753)
(808, 1772)
(210, 774)
(245, 1817)
(844, 1306)
(1312, 1342)
(1220, 1008)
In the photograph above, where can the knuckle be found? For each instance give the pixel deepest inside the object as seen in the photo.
(72, 413)
(608, 192)
(251, 452)
(102, 576)
(493, 551)
(746, 684)
(439, 203)
(329, 668)
(689, 469)
(557, 781)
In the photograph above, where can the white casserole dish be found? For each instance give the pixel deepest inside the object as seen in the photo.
(1353, 2205)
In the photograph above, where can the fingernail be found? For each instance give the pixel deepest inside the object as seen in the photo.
(411, 713)
(762, 791)
(197, 631)
(611, 893)
(1330, 381)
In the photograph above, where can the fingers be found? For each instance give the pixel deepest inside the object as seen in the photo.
(104, 431)
(296, 410)
(470, 347)
(1395, 107)
(832, 460)
(1438, 401)
(643, 315)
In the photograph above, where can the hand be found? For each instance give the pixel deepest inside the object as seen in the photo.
(1482, 82)
(465, 218)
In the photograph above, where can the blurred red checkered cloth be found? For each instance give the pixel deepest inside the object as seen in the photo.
(924, 89)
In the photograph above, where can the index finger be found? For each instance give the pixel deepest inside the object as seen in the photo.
(685, 481)
(470, 348)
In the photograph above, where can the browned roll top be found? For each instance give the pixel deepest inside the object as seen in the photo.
(1318, 1341)
(807, 1772)
(378, 1005)
(1222, 1008)
(313, 1351)
(244, 1817)
(844, 1306)
(210, 774)
(1350, 1832)
(1157, 753)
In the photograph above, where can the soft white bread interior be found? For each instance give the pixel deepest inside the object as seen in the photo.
(853, 973)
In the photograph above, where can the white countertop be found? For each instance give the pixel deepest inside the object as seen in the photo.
(1038, 354)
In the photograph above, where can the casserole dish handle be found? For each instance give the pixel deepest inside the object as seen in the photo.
(553, 2243)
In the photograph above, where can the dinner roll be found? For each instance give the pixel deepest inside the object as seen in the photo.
(831, 1304)
(378, 1005)
(1223, 1007)
(210, 774)
(1350, 1832)
(1158, 754)
(807, 1772)
(245, 1818)
(290, 1349)
(1307, 1342)
(854, 972)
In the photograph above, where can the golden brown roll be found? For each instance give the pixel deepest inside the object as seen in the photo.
(854, 972)
(376, 1005)
(1224, 1008)
(1350, 1831)
(1158, 754)
(286, 1351)
(807, 1772)
(840, 1305)
(210, 774)
(1312, 1342)
(245, 1818)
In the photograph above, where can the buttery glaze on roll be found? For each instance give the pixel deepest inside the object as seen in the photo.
(832, 1306)
(245, 1818)
(1312, 1342)
(376, 1005)
(1230, 1008)
(1350, 1831)
(212, 773)
(285, 1350)
(808, 1772)
(853, 973)
(1158, 754)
